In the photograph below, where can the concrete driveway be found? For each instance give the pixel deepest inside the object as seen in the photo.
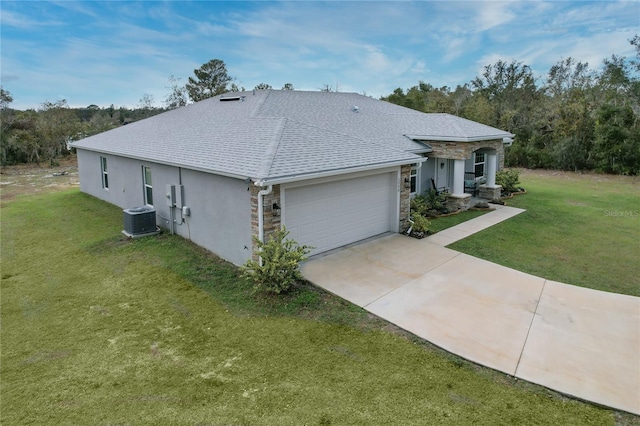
(578, 341)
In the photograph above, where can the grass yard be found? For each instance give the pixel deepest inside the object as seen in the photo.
(97, 329)
(578, 229)
(444, 222)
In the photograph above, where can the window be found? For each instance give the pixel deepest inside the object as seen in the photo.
(105, 174)
(148, 188)
(414, 178)
(479, 164)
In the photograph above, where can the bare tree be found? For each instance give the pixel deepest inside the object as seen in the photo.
(146, 102)
(329, 88)
(177, 96)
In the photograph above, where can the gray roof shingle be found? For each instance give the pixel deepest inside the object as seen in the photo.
(272, 134)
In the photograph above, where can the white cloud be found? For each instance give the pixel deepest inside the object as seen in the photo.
(456, 47)
(493, 14)
(375, 61)
(18, 20)
(116, 51)
(76, 7)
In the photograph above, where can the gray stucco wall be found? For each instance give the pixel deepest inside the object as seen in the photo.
(220, 218)
(125, 179)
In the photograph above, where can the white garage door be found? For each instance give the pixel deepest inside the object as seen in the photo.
(333, 214)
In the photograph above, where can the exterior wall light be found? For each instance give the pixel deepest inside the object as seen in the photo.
(407, 182)
(275, 209)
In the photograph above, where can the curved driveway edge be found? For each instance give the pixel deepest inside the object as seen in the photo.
(578, 341)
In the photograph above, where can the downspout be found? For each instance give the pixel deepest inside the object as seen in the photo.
(410, 227)
(418, 187)
(261, 194)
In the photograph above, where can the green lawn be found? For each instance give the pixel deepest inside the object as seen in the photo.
(578, 229)
(444, 222)
(101, 330)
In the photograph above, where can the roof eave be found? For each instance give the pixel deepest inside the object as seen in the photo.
(277, 180)
(432, 138)
(170, 163)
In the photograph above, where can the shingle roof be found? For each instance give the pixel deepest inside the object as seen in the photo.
(267, 135)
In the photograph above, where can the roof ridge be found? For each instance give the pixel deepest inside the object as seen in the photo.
(270, 154)
(261, 103)
(454, 122)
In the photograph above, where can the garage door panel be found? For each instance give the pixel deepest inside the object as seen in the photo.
(334, 214)
(309, 211)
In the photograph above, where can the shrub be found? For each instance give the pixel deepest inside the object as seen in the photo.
(509, 180)
(281, 259)
(419, 205)
(421, 224)
(430, 204)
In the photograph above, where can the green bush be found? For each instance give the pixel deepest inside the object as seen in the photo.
(419, 205)
(509, 179)
(421, 224)
(281, 259)
(430, 204)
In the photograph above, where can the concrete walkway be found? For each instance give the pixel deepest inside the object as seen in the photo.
(578, 341)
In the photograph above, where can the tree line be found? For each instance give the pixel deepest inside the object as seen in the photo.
(44, 134)
(574, 118)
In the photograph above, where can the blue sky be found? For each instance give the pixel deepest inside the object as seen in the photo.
(115, 52)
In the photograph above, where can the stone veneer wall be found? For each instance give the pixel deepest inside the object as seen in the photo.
(463, 150)
(270, 222)
(492, 194)
(405, 198)
(458, 202)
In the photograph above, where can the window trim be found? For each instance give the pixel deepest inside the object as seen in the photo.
(413, 179)
(147, 186)
(104, 173)
(481, 163)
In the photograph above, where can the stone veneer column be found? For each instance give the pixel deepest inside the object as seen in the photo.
(405, 197)
(270, 222)
(490, 193)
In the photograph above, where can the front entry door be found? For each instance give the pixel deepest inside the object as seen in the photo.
(442, 173)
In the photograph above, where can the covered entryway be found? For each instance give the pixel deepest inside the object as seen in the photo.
(332, 214)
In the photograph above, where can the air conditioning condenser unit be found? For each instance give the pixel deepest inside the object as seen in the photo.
(139, 221)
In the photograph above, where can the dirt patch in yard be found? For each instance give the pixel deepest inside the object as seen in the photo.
(24, 179)
(583, 176)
